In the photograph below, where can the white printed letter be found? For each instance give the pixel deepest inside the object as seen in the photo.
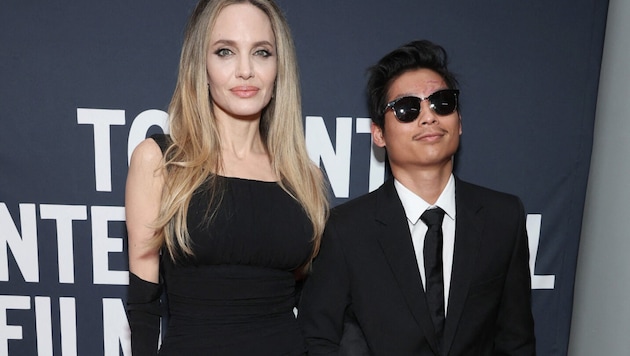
(43, 326)
(64, 215)
(115, 328)
(68, 321)
(533, 234)
(8, 332)
(102, 245)
(24, 248)
(377, 155)
(319, 146)
(102, 119)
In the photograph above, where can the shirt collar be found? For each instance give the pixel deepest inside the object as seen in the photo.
(414, 205)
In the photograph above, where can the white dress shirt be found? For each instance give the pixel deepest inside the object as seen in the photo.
(414, 207)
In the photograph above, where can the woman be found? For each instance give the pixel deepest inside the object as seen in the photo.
(227, 211)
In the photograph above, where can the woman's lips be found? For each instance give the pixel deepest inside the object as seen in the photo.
(245, 91)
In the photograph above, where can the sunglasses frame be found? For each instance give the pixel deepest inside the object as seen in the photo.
(455, 93)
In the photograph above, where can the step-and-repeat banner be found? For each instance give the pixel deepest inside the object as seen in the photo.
(82, 82)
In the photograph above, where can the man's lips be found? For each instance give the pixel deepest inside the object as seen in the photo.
(245, 91)
(429, 136)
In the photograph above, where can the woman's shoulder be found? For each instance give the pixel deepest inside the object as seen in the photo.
(147, 153)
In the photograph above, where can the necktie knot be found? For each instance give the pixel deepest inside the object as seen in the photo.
(433, 217)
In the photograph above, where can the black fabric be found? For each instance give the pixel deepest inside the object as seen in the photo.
(352, 341)
(143, 313)
(164, 141)
(236, 294)
(433, 268)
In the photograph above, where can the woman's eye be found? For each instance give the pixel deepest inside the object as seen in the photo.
(223, 52)
(262, 53)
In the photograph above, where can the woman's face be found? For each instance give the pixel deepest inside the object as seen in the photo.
(241, 62)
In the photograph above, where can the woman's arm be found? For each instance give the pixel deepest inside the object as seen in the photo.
(145, 181)
(142, 206)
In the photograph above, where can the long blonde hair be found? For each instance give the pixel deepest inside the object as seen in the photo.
(194, 158)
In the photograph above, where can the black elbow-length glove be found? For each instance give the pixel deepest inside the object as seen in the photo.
(144, 312)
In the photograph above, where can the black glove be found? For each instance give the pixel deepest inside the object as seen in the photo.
(143, 312)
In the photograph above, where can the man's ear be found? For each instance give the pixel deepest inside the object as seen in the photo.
(377, 135)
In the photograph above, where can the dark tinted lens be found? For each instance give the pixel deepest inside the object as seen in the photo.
(443, 102)
(407, 109)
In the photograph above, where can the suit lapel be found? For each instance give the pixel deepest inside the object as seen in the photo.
(469, 224)
(397, 246)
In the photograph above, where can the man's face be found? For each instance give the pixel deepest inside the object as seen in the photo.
(428, 142)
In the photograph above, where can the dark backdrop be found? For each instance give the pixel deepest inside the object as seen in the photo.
(82, 82)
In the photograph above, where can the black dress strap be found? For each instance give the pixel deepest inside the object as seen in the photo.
(163, 140)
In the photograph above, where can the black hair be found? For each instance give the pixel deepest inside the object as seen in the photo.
(420, 54)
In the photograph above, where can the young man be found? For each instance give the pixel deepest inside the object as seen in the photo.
(391, 280)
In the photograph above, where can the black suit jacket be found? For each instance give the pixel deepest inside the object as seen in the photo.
(367, 269)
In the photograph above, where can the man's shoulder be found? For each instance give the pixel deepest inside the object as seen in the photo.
(358, 205)
(470, 192)
(367, 205)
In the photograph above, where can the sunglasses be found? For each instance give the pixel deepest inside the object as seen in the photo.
(407, 108)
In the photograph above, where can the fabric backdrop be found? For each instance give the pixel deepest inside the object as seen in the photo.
(81, 83)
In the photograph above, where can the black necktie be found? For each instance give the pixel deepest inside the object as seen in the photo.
(433, 268)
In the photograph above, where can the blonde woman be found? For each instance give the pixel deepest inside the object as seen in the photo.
(226, 212)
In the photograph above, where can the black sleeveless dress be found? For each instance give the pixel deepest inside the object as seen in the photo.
(236, 295)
